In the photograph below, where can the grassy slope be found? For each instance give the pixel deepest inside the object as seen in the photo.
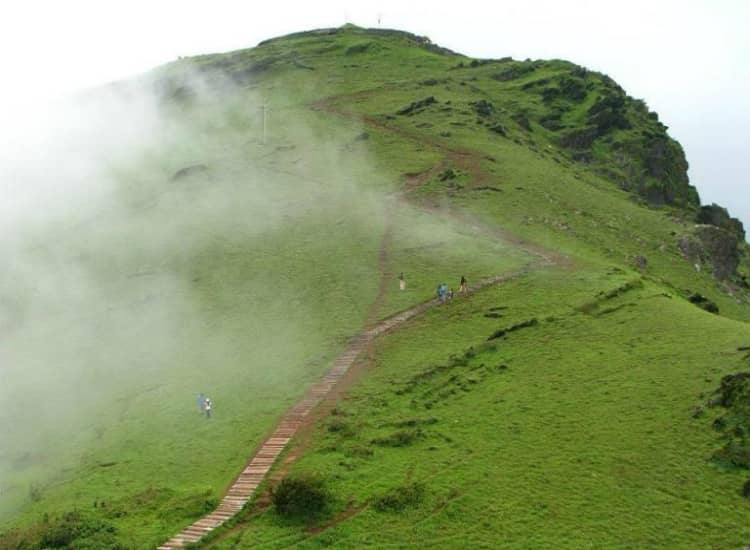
(594, 425)
(243, 284)
(585, 440)
(545, 457)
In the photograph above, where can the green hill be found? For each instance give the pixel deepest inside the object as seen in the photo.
(262, 221)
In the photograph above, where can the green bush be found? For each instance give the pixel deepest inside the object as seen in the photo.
(301, 496)
(399, 498)
(401, 438)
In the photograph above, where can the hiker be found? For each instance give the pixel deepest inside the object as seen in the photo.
(442, 292)
(201, 402)
(401, 281)
(207, 407)
(463, 287)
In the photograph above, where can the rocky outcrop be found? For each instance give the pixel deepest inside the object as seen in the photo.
(718, 216)
(712, 245)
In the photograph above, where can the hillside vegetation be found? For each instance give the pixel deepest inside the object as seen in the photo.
(593, 400)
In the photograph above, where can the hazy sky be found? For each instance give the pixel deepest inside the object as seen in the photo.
(690, 60)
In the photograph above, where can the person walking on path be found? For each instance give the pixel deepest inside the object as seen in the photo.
(442, 292)
(463, 287)
(207, 407)
(201, 402)
(401, 281)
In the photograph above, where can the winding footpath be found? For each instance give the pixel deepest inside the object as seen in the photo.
(244, 487)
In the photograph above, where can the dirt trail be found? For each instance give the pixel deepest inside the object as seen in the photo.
(299, 419)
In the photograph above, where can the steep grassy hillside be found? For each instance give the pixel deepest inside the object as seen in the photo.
(287, 188)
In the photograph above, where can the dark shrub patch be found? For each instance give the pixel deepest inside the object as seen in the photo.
(358, 451)
(499, 129)
(573, 89)
(339, 426)
(733, 390)
(514, 72)
(704, 303)
(580, 138)
(416, 106)
(746, 489)
(448, 174)
(551, 122)
(303, 496)
(399, 498)
(522, 120)
(733, 395)
(734, 453)
(414, 422)
(401, 438)
(502, 332)
(483, 108)
(71, 530)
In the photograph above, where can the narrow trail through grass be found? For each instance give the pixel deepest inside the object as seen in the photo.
(264, 458)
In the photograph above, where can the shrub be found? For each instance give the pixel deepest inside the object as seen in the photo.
(73, 529)
(401, 497)
(301, 496)
(746, 489)
(358, 451)
(340, 427)
(398, 439)
(735, 454)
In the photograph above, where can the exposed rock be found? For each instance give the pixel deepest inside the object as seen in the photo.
(719, 216)
(710, 244)
(722, 248)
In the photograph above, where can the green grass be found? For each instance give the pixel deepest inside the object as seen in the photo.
(245, 282)
(577, 432)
